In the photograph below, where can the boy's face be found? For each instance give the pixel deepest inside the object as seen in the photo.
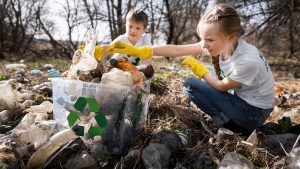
(134, 30)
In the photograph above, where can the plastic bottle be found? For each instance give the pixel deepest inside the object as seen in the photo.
(88, 62)
(40, 156)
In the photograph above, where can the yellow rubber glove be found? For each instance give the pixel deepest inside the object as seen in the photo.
(144, 52)
(98, 51)
(197, 68)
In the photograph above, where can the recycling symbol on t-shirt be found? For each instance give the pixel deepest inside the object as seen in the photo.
(74, 117)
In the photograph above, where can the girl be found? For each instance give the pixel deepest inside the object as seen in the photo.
(240, 67)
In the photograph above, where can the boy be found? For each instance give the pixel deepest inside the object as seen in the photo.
(136, 25)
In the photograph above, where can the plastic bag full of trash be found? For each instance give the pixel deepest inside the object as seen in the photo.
(84, 60)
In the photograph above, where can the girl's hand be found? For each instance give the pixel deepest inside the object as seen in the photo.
(197, 68)
(144, 52)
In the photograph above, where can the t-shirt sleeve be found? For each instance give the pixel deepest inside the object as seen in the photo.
(119, 38)
(147, 40)
(245, 72)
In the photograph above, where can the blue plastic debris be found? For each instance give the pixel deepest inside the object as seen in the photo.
(53, 73)
(36, 72)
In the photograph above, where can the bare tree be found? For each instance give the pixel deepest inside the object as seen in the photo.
(60, 49)
(73, 19)
(180, 19)
(20, 22)
(272, 24)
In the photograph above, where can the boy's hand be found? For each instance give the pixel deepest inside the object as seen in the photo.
(98, 54)
(197, 68)
(144, 52)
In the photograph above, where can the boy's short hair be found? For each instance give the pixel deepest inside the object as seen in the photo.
(137, 15)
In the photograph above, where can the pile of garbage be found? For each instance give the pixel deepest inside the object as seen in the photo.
(95, 113)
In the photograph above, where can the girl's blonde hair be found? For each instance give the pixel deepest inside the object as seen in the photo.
(228, 21)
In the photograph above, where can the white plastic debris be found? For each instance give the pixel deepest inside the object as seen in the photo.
(40, 156)
(293, 159)
(10, 96)
(39, 132)
(15, 66)
(84, 60)
(117, 77)
(233, 160)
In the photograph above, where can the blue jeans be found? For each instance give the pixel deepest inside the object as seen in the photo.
(223, 106)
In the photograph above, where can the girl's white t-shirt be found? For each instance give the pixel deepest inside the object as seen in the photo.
(145, 40)
(249, 67)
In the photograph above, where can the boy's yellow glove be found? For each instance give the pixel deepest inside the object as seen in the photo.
(144, 52)
(98, 51)
(197, 68)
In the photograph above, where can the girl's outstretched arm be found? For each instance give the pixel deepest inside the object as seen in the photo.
(177, 50)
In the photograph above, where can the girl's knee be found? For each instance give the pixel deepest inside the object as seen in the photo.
(192, 85)
(195, 84)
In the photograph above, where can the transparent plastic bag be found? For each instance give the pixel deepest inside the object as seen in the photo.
(84, 60)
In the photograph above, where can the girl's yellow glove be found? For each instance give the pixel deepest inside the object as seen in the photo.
(197, 68)
(144, 52)
(98, 54)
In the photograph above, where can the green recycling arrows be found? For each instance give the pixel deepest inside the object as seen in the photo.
(135, 117)
(73, 117)
(93, 131)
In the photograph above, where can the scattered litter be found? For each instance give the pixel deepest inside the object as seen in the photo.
(234, 160)
(36, 72)
(15, 67)
(53, 73)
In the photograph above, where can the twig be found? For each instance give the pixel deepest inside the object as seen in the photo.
(246, 143)
(281, 145)
(296, 142)
(213, 157)
(206, 128)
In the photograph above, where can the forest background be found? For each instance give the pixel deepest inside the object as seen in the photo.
(49, 28)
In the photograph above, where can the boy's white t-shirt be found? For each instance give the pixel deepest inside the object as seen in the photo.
(145, 40)
(249, 67)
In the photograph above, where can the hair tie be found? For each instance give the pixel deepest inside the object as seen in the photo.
(216, 17)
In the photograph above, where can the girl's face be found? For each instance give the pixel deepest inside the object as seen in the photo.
(215, 41)
(134, 30)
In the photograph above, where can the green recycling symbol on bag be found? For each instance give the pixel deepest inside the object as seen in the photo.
(99, 118)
